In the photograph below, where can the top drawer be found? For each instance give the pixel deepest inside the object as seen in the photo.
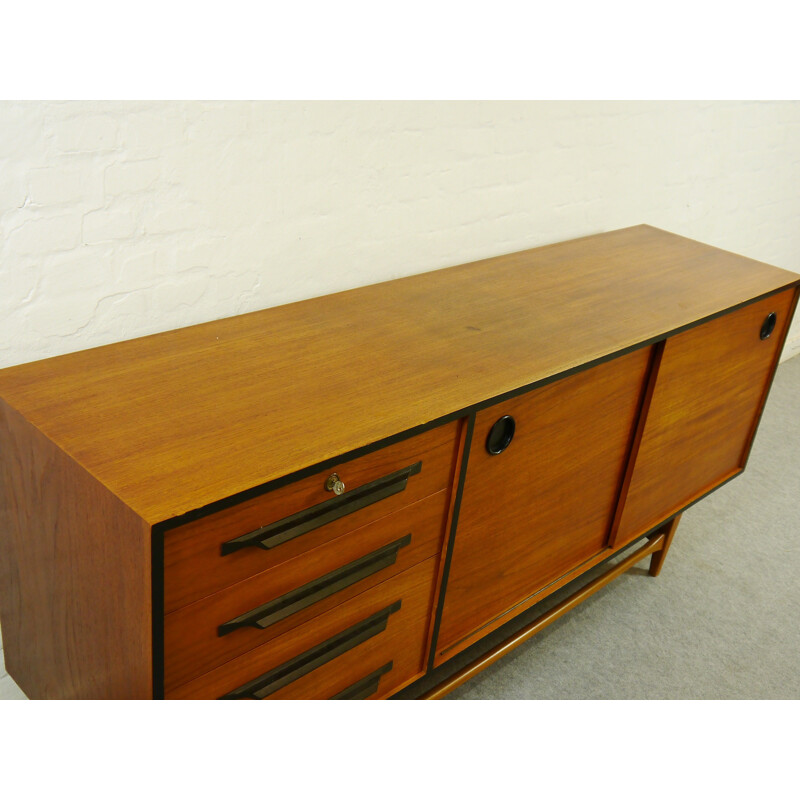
(214, 552)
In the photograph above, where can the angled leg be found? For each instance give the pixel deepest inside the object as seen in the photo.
(657, 559)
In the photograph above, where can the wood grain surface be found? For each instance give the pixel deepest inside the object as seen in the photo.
(175, 421)
(403, 643)
(708, 392)
(74, 576)
(545, 505)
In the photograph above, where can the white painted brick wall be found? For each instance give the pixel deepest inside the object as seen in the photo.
(125, 218)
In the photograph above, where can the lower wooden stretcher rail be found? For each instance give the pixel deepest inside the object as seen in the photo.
(659, 541)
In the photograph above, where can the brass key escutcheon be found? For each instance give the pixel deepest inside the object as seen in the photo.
(335, 484)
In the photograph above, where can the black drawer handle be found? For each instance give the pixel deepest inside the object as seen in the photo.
(310, 519)
(316, 590)
(366, 687)
(295, 668)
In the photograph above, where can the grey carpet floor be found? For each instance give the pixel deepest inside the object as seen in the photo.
(722, 621)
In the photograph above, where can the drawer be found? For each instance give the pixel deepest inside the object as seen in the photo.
(211, 631)
(265, 531)
(370, 646)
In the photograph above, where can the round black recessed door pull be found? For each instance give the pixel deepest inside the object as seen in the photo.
(500, 435)
(769, 325)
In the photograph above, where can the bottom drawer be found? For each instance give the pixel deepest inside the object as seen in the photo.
(369, 646)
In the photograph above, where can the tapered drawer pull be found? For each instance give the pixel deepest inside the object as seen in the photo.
(366, 687)
(318, 589)
(310, 519)
(295, 668)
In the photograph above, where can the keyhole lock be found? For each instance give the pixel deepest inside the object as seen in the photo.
(335, 484)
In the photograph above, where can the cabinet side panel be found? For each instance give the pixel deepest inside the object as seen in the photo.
(74, 576)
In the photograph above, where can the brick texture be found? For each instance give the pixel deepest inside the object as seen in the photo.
(119, 219)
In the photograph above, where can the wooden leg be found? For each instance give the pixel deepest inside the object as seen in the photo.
(657, 559)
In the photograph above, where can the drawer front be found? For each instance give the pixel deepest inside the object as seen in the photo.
(708, 393)
(370, 646)
(211, 631)
(268, 530)
(544, 505)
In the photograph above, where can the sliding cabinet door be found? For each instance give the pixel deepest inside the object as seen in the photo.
(544, 505)
(708, 394)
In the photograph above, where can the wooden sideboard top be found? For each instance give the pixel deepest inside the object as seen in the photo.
(175, 421)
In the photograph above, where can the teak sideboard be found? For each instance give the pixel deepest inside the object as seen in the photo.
(336, 497)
